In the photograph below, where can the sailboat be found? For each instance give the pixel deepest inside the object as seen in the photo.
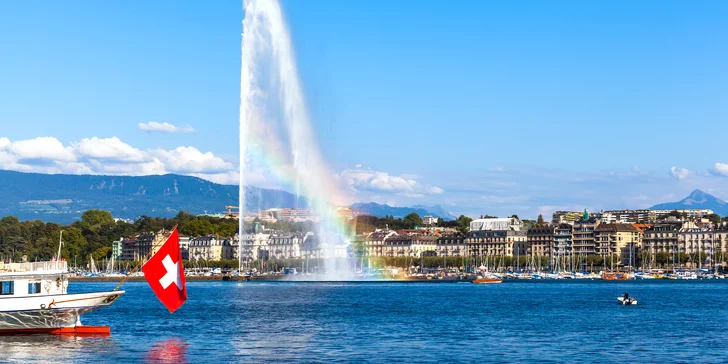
(92, 267)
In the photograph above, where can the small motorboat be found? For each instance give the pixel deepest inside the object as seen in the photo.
(491, 278)
(629, 301)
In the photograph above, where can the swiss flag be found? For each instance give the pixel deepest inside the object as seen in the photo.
(165, 273)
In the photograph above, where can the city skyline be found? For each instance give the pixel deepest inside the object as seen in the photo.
(479, 108)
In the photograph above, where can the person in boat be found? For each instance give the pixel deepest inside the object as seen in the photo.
(626, 296)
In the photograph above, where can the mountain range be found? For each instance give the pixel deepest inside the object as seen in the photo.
(696, 200)
(378, 210)
(63, 198)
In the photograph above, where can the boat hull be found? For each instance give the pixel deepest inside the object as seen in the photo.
(487, 281)
(50, 312)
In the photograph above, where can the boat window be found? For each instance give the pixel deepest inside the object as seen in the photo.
(7, 288)
(33, 287)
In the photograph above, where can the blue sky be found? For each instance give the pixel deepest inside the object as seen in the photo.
(493, 106)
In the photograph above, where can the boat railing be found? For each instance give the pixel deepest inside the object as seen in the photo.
(53, 265)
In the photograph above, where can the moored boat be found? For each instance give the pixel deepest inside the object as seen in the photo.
(487, 279)
(34, 298)
(615, 276)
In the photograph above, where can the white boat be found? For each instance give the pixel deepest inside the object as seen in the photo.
(642, 275)
(686, 275)
(627, 302)
(34, 298)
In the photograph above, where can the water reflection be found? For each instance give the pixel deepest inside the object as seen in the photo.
(52, 348)
(168, 351)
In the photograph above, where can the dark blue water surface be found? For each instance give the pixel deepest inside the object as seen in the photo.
(556, 321)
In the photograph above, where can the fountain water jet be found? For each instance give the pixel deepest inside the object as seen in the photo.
(274, 126)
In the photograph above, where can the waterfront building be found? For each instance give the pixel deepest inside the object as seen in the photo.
(138, 247)
(230, 249)
(254, 246)
(720, 243)
(611, 239)
(285, 245)
(583, 242)
(116, 248)
(184, 246)
(496, 243)
(374, 242)
(127, 249)
(660, 238)
(540, 239)
(206, 248)
(704, 244)
(451, 246)
(562, 245)
(696, 241)
(311, 247)
(410, 246)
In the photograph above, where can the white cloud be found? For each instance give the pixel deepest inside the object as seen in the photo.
(165, 127)
(110, 148)
(721, 169)
(191, 160)
(111, 156)
(368, 180)
(225, 178)
(40, 149)
(679, 173)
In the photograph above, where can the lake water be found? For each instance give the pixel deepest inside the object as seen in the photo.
(550, 321)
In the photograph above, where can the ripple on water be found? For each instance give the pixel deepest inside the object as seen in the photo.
(319, 322)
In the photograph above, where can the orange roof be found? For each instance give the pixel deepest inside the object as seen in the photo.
(642, 227)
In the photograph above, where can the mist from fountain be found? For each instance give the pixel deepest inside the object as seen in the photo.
(275, 131)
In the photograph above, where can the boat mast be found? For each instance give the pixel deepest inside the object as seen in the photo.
(60, 244)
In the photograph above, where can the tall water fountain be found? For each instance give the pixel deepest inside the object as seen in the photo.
(275, 131)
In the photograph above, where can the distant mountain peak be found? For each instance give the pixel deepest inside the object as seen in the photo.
(696, 200)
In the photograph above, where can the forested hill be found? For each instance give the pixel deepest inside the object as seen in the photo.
(63, 198)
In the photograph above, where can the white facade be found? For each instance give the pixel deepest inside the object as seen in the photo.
(429, 220)
(496, 224)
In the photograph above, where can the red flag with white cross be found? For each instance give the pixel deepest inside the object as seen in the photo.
(165, 273)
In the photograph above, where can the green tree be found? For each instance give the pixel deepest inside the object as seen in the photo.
(412, 220)
(540, 219)
(74, 245)
(96, 218)
(463, 223)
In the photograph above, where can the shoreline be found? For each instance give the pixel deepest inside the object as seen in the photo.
(425, 281)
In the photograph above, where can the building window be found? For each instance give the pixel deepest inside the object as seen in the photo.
(7, 288)
(34, 288)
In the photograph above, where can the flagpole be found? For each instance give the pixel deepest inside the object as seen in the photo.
(145, 257)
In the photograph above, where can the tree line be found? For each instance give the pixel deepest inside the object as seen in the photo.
(94, 234)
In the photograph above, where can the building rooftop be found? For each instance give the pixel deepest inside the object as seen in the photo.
(616, 228)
